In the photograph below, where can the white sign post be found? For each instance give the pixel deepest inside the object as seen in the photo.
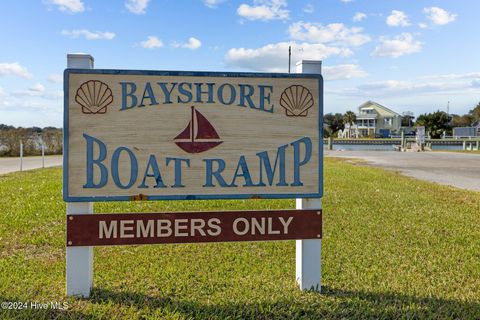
(79, 269)
(308, 252)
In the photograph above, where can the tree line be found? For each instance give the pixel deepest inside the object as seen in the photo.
(436, 123)
(439, 122)
(32, 139)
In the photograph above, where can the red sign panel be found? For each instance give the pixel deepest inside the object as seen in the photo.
(189, 227)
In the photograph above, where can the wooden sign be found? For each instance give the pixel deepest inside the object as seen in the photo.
(149, 135)
(188, 227)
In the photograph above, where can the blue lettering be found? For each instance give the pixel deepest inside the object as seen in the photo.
(98, 162)
(265, 97)
(200, 92)
(152, 163)
(233, 94)
(246, 96)
(115, 169)
(148, 94)
(265, 163)
(178, 170)
(209, 174)
(242, 165)
(130, 93)
(185, 92)
(297, 163)
(167, 93)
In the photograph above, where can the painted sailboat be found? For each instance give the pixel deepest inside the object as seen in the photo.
(199, 135)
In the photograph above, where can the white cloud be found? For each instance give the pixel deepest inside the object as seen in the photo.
(452, 76)
(32, 102)
(336, 33)
(151, 43)
(359, 16)
(2, 92)
(192, 44)
(397, 19)
(439, 16)
(346, 1)
(70, 6)
(390, 88)
(422, 25)
(136, 6)
(343, 72)
(274, 57)
(212, 3)
(37, 88)
(14, 69)
(264, 10)
(398, 46)
(55, 78)
(89, 35)
(38, 91)
(309, 8)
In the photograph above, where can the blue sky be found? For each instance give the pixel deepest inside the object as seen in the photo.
(408, 55)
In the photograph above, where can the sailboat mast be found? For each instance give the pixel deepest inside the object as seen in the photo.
(193, 124)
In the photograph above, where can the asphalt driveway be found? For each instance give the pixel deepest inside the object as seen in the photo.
(13, 164)
(461, 170)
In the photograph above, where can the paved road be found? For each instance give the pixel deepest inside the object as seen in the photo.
(13, 164)
(450, 168)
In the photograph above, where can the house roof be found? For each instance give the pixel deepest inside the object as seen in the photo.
(378, 105)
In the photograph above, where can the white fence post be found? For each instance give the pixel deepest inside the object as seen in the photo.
(308, 252)
(21, 155)
(43, 154)
(79, 269)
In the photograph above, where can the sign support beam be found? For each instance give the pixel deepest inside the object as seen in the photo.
(79, 264)
(308, 252)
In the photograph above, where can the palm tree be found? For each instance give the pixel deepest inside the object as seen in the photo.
(349, 117)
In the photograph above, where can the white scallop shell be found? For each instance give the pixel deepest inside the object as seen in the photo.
(296, 100)
(94, 96)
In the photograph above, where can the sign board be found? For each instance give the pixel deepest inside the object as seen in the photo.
(420, 137)
(176, 227)
(152, 135)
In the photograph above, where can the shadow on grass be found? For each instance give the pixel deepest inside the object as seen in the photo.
(330, 304)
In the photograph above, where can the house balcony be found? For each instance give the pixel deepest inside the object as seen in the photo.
(367, 116)
(368, 123)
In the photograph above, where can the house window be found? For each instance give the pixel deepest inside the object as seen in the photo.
(387, 121)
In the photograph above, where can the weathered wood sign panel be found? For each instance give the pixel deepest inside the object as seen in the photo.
(146, 135)
(189, 227)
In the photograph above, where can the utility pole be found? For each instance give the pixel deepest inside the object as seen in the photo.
(289, 57)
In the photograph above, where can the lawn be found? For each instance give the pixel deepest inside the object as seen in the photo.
(393, 247)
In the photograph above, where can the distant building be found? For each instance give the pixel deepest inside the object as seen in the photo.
(467, 132)
(374, 119)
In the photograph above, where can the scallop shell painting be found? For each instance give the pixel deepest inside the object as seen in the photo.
(94, 96)
(296, 100)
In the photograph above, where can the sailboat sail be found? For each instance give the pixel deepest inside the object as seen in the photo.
(185, 134)
(207, 130)
(206, 136)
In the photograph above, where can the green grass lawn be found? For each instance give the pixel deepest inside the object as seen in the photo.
(393, 247)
